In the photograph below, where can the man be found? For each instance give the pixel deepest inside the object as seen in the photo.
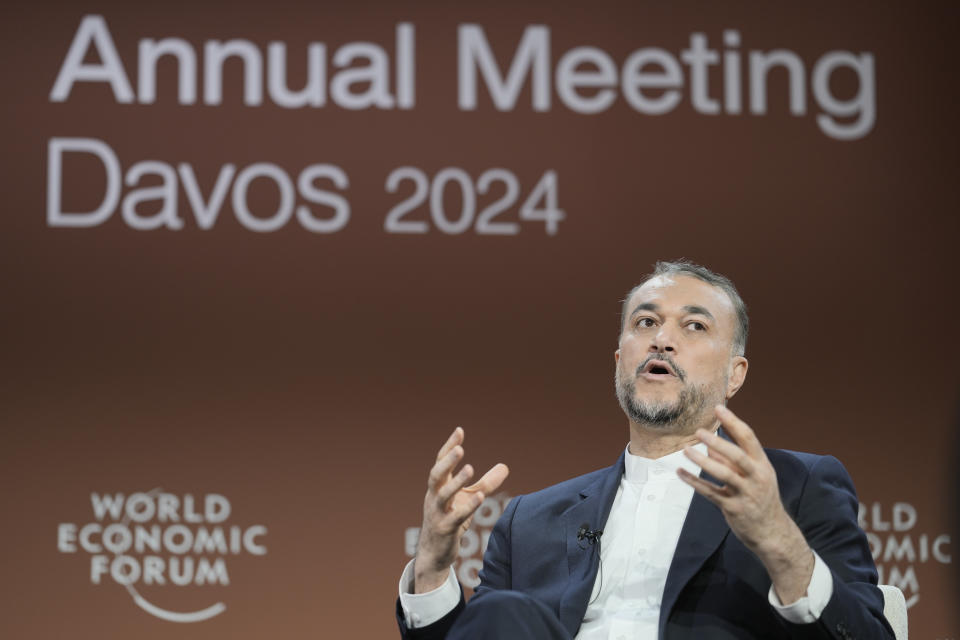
(695, 532)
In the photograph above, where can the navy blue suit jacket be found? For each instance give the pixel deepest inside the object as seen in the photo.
(716, 588)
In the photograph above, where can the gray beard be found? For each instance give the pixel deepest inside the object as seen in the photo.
(676, 416)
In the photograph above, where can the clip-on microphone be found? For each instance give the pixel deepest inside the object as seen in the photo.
(592, 536)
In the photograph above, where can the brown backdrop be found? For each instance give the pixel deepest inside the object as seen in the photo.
(309, 377)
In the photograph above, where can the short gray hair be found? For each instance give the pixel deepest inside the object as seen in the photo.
(684, 267)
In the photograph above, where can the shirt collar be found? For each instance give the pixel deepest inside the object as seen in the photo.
(639, 469)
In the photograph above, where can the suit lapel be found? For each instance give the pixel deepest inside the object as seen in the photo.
(593, 508)
(703, 530)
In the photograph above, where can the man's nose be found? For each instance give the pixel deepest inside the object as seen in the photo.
(663, 340)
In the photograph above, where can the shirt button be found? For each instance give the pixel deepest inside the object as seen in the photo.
(416, 618)
(641, 552)
(651, 498)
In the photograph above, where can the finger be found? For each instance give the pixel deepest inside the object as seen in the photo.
(715, 468)
(726, 450)
(440, 472)
(449, 488)
(463, 510)
(491, 480)
(740, 431)
(455, 438)
(708, 490)
(719, 457)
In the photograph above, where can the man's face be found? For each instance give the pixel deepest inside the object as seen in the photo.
(675, 360)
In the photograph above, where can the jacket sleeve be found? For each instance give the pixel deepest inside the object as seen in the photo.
(436, 631)
(827, 515)
(497, 566)
(494, 575)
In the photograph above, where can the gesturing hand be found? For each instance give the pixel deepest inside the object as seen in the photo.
(447, 510)
(750, 501)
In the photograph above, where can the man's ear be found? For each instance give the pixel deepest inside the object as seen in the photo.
(616, 356)
(737, 375)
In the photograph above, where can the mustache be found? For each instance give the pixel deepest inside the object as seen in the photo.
(665, 358)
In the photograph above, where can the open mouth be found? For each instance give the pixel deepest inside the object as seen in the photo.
(656, 368)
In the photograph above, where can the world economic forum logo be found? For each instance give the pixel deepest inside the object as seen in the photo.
(155, 538)
(898, 545)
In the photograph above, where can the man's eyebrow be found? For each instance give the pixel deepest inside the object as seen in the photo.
(645, 306)
(697, 309)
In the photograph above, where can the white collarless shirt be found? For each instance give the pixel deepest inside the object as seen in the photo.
(637, 547)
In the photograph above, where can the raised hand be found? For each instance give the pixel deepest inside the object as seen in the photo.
(750, 501)
(447, 510)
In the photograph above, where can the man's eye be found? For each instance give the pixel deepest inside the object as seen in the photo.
(645, 322)
(697, 326)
